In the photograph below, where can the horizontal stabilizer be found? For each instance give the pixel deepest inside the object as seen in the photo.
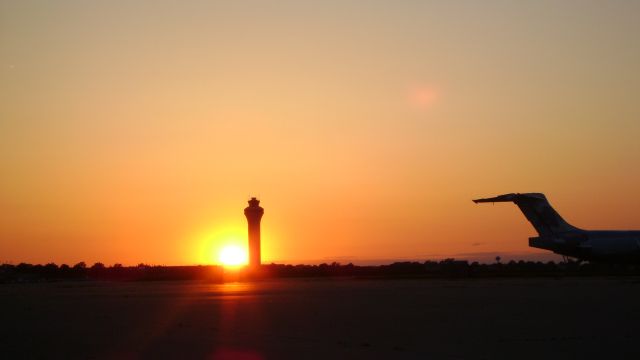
(500, 198)
(511, 197)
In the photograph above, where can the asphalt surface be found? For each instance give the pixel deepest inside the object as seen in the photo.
(568, 318)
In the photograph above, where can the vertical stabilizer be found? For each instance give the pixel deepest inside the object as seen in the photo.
(536, 208)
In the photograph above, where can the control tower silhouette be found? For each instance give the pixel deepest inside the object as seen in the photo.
(254, 213)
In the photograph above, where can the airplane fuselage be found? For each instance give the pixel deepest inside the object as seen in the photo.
(593, 245)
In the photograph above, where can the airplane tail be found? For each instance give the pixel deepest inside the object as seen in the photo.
(538, 211)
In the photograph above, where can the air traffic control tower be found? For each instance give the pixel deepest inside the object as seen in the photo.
(254, 213)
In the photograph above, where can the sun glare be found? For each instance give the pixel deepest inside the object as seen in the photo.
(233, 255)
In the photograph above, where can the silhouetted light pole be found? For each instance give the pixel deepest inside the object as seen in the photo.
(254, 213)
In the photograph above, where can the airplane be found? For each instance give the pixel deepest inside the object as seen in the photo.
(557, 235)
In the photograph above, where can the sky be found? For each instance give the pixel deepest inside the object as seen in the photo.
(135, 132)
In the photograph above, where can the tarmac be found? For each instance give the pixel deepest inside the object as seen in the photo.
(343, 318)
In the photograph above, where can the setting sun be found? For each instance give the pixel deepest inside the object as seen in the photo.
(233, 255)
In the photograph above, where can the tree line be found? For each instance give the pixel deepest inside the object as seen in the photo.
(447, 268)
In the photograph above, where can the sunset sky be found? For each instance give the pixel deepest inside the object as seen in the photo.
(136, 131)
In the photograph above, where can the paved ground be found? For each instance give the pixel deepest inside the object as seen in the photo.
(323, 318)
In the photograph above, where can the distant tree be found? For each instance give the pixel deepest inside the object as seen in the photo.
(117, 266)
(23, 267)
(51, 267)
(80, 266)
(498, 258)
(97, 266)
